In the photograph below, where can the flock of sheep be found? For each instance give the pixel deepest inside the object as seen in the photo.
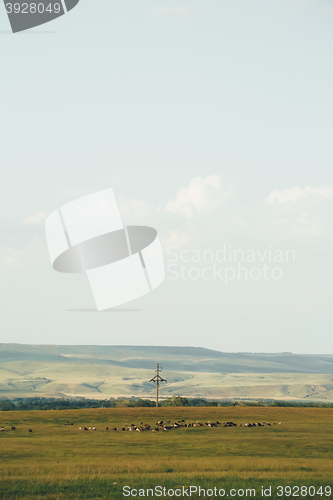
(168, 426)
(2, 429)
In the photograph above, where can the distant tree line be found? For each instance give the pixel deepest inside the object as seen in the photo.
(20, 404)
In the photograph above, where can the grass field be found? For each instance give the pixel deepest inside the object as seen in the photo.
(58, 461)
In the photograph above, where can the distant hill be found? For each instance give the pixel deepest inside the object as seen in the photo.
(110, 371)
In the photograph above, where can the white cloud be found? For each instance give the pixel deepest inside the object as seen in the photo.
(301, 211)
(306, 225)
(176, 239)
(134, 209)
(10, 257)
(172, 11)
(292, 196)
(199, 197)
(37, 219)
(26, 256)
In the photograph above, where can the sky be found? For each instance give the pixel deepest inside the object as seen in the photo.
(212, 122)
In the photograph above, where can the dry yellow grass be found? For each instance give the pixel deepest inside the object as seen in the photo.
(300, 449)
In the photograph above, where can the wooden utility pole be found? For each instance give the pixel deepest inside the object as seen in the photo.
(157, 379)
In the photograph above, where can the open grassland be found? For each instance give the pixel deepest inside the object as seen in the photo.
(57, 461)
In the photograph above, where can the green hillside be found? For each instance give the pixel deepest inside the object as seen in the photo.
(112, 371)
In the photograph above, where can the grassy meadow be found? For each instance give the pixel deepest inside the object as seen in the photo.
(57, 461)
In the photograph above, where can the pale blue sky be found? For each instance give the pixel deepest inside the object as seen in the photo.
(151, 98)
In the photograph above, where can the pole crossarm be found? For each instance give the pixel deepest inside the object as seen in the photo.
(157, 377)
